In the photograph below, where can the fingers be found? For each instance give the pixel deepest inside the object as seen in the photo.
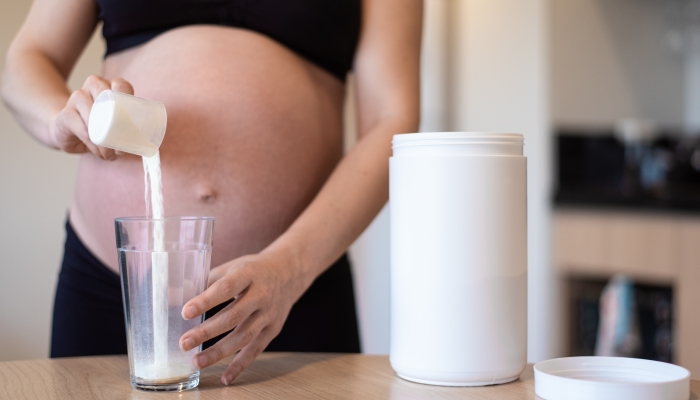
(247, 355)
(107, 153)
(95, 85)
(217, 273)
(80, 103)
(243, 335)
(222, 290)
(121, 85)
(70, 124)
(225, 320)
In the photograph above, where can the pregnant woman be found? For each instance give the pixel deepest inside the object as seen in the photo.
(254, 92)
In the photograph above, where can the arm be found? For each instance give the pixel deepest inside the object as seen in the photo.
(387, 82)
(266, 285)
(39, 60)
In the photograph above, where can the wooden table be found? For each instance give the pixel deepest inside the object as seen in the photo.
(272, 376)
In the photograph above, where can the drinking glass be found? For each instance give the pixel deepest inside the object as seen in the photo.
(163, 263)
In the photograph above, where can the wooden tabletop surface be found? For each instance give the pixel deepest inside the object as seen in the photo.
(272, 376)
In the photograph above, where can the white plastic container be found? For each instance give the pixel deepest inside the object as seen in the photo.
(458, 258)
(127, 123)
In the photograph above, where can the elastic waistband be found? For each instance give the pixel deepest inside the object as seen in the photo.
(82, 271)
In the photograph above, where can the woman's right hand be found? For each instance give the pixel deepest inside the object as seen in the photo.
(69, 131)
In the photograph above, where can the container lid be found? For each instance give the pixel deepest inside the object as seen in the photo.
(458, 143)
(610, 378)
(456, 137)
(501, 136)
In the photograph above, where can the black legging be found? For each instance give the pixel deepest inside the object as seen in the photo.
(88, 315)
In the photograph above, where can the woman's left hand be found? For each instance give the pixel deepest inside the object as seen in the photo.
(264, 286)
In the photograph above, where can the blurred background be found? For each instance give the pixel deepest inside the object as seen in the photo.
(607, 95)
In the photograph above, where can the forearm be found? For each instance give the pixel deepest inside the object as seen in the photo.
(345, 206)
(35, 91)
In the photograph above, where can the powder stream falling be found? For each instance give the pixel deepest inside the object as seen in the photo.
(145, 185)
(159, 272)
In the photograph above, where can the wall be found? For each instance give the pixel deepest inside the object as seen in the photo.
(611, 59)
(37, 185)
(691, 115)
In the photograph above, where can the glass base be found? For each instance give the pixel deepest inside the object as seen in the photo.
(170, 386)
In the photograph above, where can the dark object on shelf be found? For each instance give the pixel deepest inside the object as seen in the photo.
(585, 315)
(654, 311)
(601, 171)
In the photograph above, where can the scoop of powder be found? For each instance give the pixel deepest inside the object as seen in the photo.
(127, 123)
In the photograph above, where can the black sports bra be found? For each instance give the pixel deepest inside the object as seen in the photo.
(323, 31)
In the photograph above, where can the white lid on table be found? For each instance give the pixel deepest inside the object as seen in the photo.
(610, 378)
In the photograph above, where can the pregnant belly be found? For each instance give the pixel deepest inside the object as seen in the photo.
(253, 132)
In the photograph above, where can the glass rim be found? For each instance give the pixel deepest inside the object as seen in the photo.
(148, 219)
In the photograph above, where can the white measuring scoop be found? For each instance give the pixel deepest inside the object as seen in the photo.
(127, 123)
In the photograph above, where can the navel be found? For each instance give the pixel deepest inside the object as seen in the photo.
(206, 193)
